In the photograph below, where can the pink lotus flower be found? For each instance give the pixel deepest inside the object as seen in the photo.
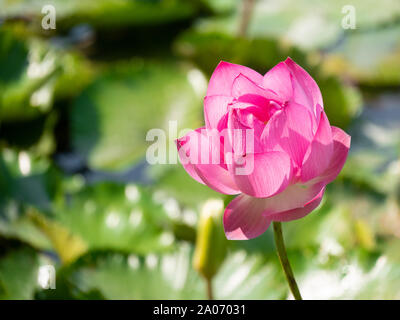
(293, 154)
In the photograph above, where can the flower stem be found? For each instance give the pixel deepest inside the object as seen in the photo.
(210, 294)
(247, 10)
(280, 246)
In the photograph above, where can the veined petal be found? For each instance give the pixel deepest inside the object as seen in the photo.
(305, 90)
(215, 107)
(246, 90)
(244, 130)
(243, 218)
(225, 73)
(246, 217)
(200, 155)
(298, 213)
(217, 178)
(293, 197)
(341, 146)
(278, 79)
(319, 153)
(183, 154)
(290, 130)
(262, 175)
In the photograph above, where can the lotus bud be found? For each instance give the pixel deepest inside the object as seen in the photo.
(211, 243)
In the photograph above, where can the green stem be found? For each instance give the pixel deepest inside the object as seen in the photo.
(247, 10)
(280, 246)
(210, 294)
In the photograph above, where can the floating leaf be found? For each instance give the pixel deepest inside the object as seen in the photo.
(176, 183)
(68, 246)
(18, 274)
(111, 118)
(307, 24)
(370, 58)
(107, 12)
(26, 79)
(116, 217)
(170, 276)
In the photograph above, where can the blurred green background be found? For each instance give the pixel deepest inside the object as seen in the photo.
(76, 104)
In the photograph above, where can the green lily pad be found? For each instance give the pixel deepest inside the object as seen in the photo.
(171, 276)
(342, 103)
(306, 24)
(116, 217)
(106, 13)
(207, 49)
(375, 151)
(349, 275)
(26, 79)
(370, 58)
(30, 183)
(175, 182)
(18, 274)
(111, 118)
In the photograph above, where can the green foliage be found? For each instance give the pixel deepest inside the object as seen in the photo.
(18, 274)
(76, 104)
(107, 13)
(116, 217)
(371, 58)
(110, 119)
(304, 23)
(170, 276)
(25, 78)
